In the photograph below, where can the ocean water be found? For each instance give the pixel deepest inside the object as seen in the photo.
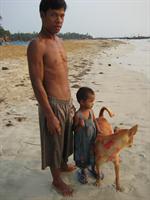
(16, 43)
(138, 59)
(20, 43)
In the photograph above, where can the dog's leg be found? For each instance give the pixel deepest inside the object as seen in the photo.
(117, 169)
(97, 183)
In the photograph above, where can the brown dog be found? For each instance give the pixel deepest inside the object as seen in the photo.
(107, 148)
(105, 127)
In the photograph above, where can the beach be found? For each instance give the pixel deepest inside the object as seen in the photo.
(118, 71)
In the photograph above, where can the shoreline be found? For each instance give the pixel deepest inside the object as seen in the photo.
(125, 92)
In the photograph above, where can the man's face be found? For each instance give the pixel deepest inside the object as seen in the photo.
(53, 20)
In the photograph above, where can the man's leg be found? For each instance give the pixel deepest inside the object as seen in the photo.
(67, 167)
(59, 184)
(68, 147)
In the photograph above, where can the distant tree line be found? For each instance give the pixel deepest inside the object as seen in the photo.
(75, 36)
(5, 35)
(23, 36)
(29, 36)
(125, 37)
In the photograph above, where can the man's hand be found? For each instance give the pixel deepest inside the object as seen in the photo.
(53, 125)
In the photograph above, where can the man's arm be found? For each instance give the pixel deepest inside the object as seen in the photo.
(36, 71)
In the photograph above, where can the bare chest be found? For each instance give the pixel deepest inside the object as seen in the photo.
(55, 58)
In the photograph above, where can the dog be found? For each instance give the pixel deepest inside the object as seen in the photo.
(105, 127)
(108, 147)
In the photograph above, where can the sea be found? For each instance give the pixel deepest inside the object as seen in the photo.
(139, 59)
(16, 43)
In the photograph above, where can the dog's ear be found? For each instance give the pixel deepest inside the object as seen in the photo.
(133, 130)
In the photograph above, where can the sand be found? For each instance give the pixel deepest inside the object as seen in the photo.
(111, 69)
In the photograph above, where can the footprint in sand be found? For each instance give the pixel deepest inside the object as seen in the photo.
(128, 189)
(9, 123)
(75, 86)
(20, 119)
(2, 100)
(125, 188)
(5, 68)
(20, 85)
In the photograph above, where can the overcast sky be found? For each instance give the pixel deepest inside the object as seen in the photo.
(99, 18)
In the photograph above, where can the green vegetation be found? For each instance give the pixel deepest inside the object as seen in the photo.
(75, 36)
(23, 36)
(4, 34)
(29, 36)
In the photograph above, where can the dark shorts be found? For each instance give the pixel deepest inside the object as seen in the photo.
(57, 148)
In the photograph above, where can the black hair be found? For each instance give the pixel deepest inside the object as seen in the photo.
(83, 93)
(53, 4)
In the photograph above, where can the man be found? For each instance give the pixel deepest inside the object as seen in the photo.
(49, 76)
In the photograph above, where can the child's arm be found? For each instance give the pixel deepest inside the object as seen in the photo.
(77, 122)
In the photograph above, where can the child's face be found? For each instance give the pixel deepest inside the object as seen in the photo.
(89, 102)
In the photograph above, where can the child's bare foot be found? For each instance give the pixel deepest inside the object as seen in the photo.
(62, 188)
(67, 167)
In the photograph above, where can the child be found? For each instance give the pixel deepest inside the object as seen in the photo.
(85, 130)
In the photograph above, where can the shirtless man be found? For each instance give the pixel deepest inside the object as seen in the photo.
(49, 76)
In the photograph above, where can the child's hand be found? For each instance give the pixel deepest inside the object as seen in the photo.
(81, 123)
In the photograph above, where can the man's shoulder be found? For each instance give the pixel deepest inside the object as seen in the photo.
(36, 42)
(35, 45)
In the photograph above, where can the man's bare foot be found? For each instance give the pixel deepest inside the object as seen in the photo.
(62, 188)
(67, 167)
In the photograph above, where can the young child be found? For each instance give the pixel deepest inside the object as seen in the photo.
(85, 130)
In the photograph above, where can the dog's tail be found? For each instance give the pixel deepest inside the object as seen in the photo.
(111, 114)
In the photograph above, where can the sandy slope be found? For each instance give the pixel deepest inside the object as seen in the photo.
(126, 92)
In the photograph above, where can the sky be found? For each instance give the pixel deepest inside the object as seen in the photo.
(99, 18)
